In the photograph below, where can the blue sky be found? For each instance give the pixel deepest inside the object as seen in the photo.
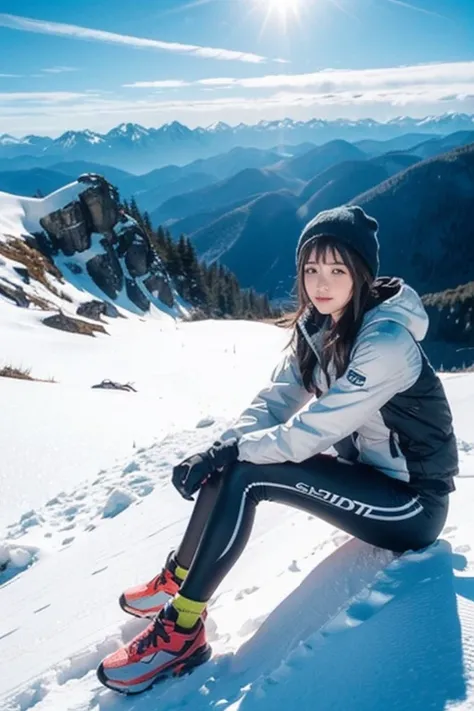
(96, 63)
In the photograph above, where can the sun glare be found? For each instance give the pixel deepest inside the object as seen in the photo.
(282, 10)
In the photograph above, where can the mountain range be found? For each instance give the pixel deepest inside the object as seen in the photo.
(244, 209)
(138, 149)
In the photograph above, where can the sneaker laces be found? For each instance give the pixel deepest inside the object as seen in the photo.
(160, 579)
(149, 637)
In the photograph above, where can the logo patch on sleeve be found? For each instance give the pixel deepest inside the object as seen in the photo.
(356, 378)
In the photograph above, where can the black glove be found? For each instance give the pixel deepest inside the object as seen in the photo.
(191, 473)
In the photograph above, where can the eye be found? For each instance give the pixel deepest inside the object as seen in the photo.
(341, 271)
(310, 270)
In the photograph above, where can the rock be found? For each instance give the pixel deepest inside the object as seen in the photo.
(111, 311)
(160, 288)
(15, 293)
(136, 295)
(73, 267)
(69, 228)
(23, 273)
(138, 259)
(120, 252)
(101, 205)
(72, 325)
(92, 309)
(106, 272)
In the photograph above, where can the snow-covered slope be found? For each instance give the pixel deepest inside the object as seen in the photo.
(308, 618)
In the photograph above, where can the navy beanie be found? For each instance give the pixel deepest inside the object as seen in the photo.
(352, 227)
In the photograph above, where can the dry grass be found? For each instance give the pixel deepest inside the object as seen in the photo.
(10, 371)
(38, 264)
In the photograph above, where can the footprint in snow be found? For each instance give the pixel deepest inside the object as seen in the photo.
(449, 529)
(250, 626)
(246, 591)
(117, 502)
(131, 467)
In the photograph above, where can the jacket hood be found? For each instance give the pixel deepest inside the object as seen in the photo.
(391, 299)
(394, 300)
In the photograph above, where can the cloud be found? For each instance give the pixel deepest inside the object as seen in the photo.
(92, 105)
(27, 24)
(188, 6)
(328, 80)
(52, 97)
(328, 93)
(59, 70)
(418, 9)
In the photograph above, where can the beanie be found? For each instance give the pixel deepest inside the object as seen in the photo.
(352, 227)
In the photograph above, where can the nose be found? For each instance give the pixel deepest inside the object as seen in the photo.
(322, 284)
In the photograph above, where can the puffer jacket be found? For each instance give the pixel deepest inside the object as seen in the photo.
(389, 408)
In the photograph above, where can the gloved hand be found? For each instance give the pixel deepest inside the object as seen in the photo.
(192, 472)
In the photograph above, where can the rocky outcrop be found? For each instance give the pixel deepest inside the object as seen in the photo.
(72, 325)
(96, 235)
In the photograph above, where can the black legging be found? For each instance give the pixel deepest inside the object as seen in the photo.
(356, 498)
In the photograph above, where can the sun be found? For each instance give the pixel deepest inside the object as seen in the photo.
(282, 6)
(283, 10)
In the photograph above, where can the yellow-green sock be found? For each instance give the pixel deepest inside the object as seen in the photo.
(189, 611)
(180, 572)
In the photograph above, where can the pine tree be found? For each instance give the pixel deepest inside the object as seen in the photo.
(212, 284)
(146, 224)
(159, 240)
(133, 210)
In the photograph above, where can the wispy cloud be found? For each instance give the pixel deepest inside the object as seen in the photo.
(27, 24)
(10, 76)
(41, 96)
(409, 6)
(64, 104)
(59, 70)
(100, 113)
(333, 80)
(188, 6)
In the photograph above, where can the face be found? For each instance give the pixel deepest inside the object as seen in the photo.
(328, 284)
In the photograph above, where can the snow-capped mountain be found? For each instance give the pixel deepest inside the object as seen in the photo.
(128, 131)
(135, 148)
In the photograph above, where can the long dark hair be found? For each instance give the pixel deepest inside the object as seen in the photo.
(339, 337)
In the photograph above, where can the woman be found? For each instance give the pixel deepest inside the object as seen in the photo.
(356, 379)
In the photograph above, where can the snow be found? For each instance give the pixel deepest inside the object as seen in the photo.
(307, 618)
(87, 510)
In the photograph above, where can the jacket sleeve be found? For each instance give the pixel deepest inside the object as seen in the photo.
(387, 360)
(281, 398)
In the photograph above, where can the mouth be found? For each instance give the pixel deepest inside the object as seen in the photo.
(323, 298)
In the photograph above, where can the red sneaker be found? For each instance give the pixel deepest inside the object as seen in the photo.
(148, 599)
(162, 650)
